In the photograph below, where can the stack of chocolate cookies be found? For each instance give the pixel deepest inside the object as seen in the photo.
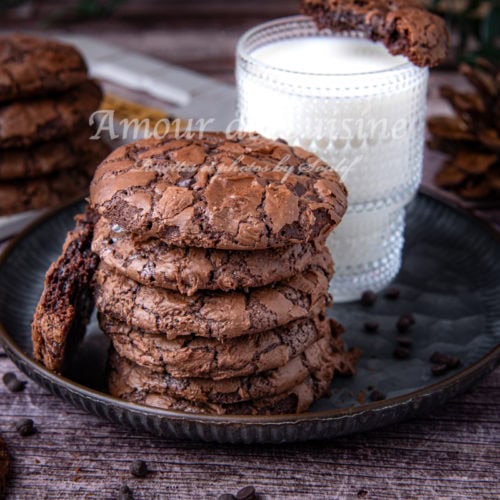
(46, 98)
(213, 275)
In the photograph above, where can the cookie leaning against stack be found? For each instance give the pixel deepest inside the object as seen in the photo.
(213, 277)
(46, 98)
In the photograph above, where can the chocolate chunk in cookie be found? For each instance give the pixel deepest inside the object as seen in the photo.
(404, 26)
(64, 308)
(213, 314)
(242, 193)
(42, 119)
(32, 66)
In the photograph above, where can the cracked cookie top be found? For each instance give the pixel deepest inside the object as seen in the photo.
(213, 191)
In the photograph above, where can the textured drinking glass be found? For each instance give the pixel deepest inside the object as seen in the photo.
(367, 123)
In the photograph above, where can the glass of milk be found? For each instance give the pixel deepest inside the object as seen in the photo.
(361, 110)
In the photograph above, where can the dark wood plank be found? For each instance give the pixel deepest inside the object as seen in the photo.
(453, 453)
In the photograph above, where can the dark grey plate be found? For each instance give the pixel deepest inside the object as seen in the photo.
(450, 280)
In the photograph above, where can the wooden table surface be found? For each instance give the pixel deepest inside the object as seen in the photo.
(453, 453)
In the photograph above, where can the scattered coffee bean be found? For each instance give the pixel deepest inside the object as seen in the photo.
(25, 427)
(125, 493)
(246, 493)
(368, 298)
(443, 359)
(138, 468)
(453, 362)
(13, 383)
(371, 326)
(404, 341)
(377, 396)
(439, 369)
(226, 496)
(392, 293)
(439, 358)
(401, 352)
(362, 493)
(410, 317)
(403, 324)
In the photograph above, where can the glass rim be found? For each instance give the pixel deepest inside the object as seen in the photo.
(245, 54)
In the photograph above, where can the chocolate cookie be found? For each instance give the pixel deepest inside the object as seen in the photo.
(404, 26)
(212, 314)
(42, 119)
(193, 356)
(64, 308)
(228, 391)
(189, 269)
(132, 383)
(32, 66)
(50, 157)
(45, 192)
(245, 193)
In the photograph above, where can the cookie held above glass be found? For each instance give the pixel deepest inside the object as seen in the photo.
(255, 339)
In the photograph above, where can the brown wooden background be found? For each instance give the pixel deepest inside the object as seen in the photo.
(453, 453)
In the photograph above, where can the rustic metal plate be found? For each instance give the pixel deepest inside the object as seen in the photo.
(450, 280)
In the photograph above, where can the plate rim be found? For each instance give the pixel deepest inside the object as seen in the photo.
(486, 364)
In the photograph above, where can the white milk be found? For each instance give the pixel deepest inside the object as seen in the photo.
(362, 111)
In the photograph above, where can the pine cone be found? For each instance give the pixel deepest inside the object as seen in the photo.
(471, 138)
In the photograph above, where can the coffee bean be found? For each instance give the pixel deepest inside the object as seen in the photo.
(13, 383)
(392, 293)
(226, 496)
(404, 341)
(401, 352)
(138, 468)
(3, 354)
(443, 359)
(377, 396)
(25, 427)
(125, 493)
(410, 317)
(246, 493)
(371, 326)
(439, 369)
(403, 324)
(362, 493)
(453, 362)
(368, 298)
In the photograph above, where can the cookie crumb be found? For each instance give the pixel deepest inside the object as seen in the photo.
(392, 293)
(13, 383)
(371, 327)
(125, 493)
(25, 427)
(246, 493)
(377, 396)
(138, 468)
(401, 352)
(368, 298)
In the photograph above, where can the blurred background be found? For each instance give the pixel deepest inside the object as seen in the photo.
(202, 34)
